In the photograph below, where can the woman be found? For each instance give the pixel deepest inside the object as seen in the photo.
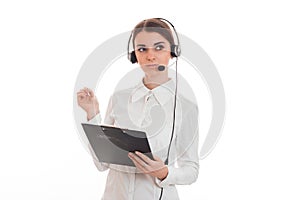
(149, 107)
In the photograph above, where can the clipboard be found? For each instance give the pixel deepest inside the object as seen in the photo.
(112, 144)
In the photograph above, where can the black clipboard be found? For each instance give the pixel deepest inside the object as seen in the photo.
(112, 144)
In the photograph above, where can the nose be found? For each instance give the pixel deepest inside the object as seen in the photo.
(150, 54)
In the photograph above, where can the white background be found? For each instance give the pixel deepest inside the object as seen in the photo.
(254, 44)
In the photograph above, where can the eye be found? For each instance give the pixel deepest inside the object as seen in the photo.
(142, 49)
(159, 47)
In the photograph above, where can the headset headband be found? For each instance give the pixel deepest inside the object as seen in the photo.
(175, 49)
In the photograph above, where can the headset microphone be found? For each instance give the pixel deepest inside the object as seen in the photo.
(161, 68)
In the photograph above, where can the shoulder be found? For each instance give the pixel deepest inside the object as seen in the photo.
(186, 104)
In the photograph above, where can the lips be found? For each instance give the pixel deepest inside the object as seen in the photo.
(151, 65)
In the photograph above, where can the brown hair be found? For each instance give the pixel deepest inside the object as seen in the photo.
(154, 25)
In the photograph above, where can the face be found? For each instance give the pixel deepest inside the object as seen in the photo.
(152, 50)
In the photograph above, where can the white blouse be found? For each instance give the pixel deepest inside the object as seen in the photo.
(151, 111)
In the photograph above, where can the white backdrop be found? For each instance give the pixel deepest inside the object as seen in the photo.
(255, 46)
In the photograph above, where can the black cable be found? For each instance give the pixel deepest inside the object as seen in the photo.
(161, 192)
(175, 98)
(174, 115)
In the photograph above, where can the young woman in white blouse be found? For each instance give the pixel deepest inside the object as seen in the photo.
(132, 108)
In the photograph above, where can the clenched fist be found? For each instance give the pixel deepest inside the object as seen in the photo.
(87, 100)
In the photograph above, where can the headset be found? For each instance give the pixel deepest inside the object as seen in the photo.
(175, 48)
(175, 53)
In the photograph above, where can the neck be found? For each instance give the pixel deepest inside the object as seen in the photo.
(152, 82)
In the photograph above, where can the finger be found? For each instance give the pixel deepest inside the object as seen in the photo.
(156, 158)
(81, 93)
(138, 160)
(85, 89)
(137, 164)
(144, 157)
(90, 92)
(81, 96)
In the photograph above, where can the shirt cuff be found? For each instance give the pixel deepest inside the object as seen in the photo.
(95, 120)
(168, 180)
(101, 166)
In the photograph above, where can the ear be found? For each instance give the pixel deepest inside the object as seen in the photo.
(133, 58)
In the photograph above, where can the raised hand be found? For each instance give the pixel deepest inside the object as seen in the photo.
(87, 100)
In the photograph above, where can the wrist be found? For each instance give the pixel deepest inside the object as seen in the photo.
(92, 114)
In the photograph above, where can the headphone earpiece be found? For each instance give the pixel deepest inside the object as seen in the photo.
(174, 51)
(132, 57)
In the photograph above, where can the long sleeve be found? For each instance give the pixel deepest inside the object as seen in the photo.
(108, 121)
(187, 152)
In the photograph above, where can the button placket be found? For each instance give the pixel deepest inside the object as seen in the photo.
(149, 102)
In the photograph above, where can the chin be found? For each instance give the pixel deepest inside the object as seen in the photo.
(150, 72)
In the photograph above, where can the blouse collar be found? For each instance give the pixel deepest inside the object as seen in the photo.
(162, 93)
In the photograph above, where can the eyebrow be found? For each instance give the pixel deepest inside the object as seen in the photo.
(142, 45)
